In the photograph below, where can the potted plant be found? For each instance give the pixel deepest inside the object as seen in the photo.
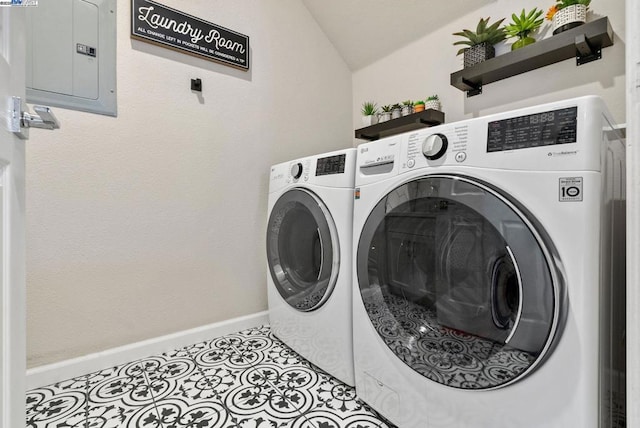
(523, 25)
(480, 42)
(418, 106)
(369, 113)
(407, 107)
(396, 111)
(567, 14)
(385, 113)
(432, 102)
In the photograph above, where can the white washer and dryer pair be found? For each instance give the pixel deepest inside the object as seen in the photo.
(489, 271)
(309, 235)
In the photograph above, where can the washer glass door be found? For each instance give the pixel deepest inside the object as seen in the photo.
(458, 282)
(302, 249)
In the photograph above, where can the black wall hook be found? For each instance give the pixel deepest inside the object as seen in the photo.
(196, 85)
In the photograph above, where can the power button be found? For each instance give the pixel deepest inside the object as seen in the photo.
(411, 163)
(461, 156)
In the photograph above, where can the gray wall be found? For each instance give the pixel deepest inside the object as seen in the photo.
(153, 222)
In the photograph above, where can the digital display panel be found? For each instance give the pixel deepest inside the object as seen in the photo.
(535, 130)
(331, 165)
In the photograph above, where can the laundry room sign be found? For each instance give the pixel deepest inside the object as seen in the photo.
(155, 23)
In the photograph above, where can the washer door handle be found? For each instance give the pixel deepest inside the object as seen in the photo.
(520, 295)
(321, 254)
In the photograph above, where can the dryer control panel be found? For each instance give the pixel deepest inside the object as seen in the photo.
(334, 169)
(299, 170)
(331, 164)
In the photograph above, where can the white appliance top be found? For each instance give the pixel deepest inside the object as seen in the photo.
(560, 136)
(333, 169)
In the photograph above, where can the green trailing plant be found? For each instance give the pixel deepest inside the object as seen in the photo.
(386, 109)
(369, 108)
(485, 33)
(523, 25)
(433, 98)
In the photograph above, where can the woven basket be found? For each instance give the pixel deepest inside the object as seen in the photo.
(478, 53)
(569, 17)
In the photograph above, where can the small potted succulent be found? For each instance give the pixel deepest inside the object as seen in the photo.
(480, 42)
(432, 102)
(418, 106)
(407, 107)
(369, 113)
(567, 14)
(396, 111)
(385, 113)
(523, 25)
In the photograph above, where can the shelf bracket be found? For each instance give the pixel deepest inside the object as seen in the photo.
(585, 52)
(476, 88)
(429, 122)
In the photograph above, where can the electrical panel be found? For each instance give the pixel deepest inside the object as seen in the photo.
(71, 55)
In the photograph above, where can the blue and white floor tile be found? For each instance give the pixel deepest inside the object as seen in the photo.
(248, 379)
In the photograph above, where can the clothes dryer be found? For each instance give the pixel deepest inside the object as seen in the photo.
(309, 244)
(489, 271)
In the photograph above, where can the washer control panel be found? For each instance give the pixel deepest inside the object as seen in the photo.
(435, 146)
(547, 128)
(432, 147)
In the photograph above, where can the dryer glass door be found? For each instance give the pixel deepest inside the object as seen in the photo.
(302, 249)
(459, 282)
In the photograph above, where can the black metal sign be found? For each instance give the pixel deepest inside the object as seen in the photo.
(159, 24)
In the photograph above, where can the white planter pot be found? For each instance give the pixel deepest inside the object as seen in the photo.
(569, 17)
(435, 105)
(407, 110)
(383, 117)
(369, 120)
(396, 113)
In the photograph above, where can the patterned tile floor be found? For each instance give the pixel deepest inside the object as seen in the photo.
(248, 379)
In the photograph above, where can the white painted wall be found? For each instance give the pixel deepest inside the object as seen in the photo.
(633, 214)
(423, 68)
(153, 222)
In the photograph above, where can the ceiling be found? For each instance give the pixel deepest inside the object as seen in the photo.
(364, 31)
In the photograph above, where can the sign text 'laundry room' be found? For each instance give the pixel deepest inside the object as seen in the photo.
(159, 24)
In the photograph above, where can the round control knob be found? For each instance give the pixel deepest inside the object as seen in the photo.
(296, 170)
(435, 146)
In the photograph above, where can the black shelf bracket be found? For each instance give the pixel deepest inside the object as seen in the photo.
(474, 88)
(585, 52)
(584, 43)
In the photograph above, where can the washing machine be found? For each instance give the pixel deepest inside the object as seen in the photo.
(489, 271)
(309, 245)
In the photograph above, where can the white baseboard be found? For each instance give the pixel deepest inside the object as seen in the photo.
(56, 372)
